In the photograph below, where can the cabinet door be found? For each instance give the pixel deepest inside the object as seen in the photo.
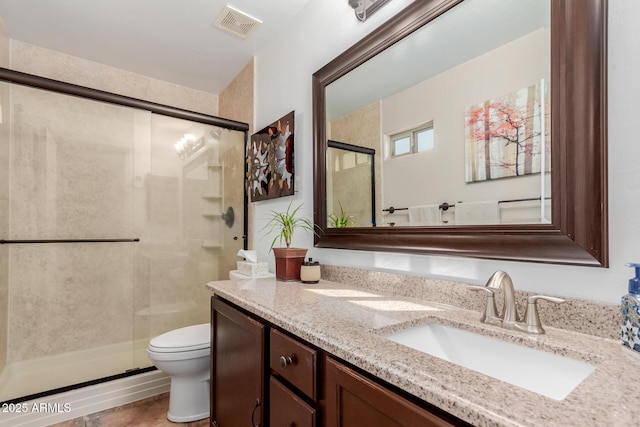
(237, 367)
(353, 400)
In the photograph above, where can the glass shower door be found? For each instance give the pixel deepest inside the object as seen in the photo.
(193, 224)
(71, 240)
(112, 221)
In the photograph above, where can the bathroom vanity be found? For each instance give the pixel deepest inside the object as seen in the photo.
(299, 379)
(319, 355)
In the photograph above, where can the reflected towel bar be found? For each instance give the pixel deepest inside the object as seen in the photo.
(6, 242)
(445, 206)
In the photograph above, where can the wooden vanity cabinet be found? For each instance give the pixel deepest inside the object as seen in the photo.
(237, 367)
(353, 400)
(265, 377)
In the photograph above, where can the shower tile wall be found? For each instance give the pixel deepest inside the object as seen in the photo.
(169, 276)
(71, 179)
(236, 103)
(4, 200)
(4, 46)
(173, 264)
(108, 296)
(87, 170)
(232, 155)
(43, 62)
(79, 296)
(362, 128)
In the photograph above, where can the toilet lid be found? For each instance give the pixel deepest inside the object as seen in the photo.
(194, 337)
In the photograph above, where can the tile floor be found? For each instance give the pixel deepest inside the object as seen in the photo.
(151, 412)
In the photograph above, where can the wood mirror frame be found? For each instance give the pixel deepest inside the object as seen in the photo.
(578, 234)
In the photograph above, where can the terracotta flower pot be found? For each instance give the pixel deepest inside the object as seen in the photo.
(288, 262)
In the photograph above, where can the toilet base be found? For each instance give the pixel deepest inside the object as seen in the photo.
(188, 401)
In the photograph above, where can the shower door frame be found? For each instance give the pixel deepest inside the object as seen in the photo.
(25, 79)
(38, 82)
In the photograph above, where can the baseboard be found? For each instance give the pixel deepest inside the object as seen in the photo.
(87, 400)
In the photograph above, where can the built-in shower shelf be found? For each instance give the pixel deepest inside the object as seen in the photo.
(210, 196)
(209, 244)
(168, 308)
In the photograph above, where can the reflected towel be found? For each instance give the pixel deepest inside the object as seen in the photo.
(425, 215)
(472, 213)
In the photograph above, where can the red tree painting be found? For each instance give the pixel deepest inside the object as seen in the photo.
(503, 136)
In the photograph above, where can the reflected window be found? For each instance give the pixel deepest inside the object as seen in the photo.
(414, 140)
(424, 139)
(401, 145)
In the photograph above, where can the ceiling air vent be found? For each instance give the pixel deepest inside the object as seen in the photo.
(236, 22)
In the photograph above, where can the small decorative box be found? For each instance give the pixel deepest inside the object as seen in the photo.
(253, 269)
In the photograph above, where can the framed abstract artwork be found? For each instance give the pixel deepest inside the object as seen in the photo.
(509, 135)
(269, 157)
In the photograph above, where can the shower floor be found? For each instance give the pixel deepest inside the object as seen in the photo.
(52, 372)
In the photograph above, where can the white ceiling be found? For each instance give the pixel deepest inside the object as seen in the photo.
(171, 40)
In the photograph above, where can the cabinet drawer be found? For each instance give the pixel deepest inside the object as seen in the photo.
(295, 362)
(287, 409)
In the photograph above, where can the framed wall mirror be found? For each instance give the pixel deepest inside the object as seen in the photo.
(489, 118)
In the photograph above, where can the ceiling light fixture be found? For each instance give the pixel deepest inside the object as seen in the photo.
(366, 8)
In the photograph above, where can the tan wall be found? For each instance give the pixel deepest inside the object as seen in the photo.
(236, 100)
(43, 62)
(361, 128)
(236, 103)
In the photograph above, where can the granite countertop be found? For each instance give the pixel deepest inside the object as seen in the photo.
(350, 322)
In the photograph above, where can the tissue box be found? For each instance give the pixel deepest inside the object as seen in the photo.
(252, 268)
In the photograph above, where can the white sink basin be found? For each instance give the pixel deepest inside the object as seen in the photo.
(544, 373)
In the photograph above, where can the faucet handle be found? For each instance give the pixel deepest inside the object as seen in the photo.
(490, 310)
(531, 317)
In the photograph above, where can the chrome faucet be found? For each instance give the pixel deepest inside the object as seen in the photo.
(510, 318)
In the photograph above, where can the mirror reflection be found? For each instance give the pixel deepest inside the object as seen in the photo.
(459, 114)
(351, 205)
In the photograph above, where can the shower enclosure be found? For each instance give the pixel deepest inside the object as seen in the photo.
(114, 213)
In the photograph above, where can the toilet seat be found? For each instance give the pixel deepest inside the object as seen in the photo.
(190, 338)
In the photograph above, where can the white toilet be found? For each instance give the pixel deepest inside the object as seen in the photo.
(185, 354)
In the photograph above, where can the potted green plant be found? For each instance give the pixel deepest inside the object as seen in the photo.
(288, 259)
(341, 221)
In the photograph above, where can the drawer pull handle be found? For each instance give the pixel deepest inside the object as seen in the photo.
(286, 361)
